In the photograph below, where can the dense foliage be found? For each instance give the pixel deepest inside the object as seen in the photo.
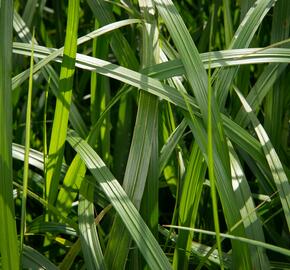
(144, 134)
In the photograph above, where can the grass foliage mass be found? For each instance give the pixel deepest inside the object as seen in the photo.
(144, 134)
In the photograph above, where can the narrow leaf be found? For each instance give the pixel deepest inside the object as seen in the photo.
(140, 233)
(279, 175)
(8, 234)
(59, 128)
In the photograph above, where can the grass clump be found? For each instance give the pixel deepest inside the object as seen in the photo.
(155, 134)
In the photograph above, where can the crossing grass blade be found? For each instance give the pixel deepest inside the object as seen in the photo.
(258, 92)
(245, 6)
(242, 38)
(48, 72)
(234, 131)
(20, 26)
(197, 78)
(100, 97)
(170, 145)
(57, 140)
(275, 101)
(71, 185)
(77, 170)
(140, 233)
(168, 69)
(237, 134)
(91, 248)
(241, 239)
(124, 53)
(8, 234)
(50, 207)
(200, 250)
(119, 44)
(141, 147)
(149, 207)
(251, 220)
(279, 175)
(35, 157)
(68, 260)
(75, 249)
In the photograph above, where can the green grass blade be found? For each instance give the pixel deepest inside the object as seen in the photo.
(171, 137)
(35, 157)
(76, 171)
(245, 141)
(149, 204)
(200, 250)
(50, 207)
(275, 103)
(120, 46)
(245, 6)
(235, 132)
(26, 157)
(251, 220)
(29, 12)
(141, 145)
(242, 38)
(71, 185)
(170, 145)
(138, 162)
(8, 234)
(230, 212)
(168, 93)
(49, 74)
(228, 24)
(175, 68)
(210, 154)
(250, 23)
(126, 57)
(32, 259)
(133, 78)
(165, 70)
(188, 209)
(20, 78)
(91, 248)
(258, 92)
(39, 226)
(75, 249)
(277, 249)
(279, 176)
(23, 32)
(194, 69)
(140, 233)
(100, 96)
(149, 207)
(124, 131)
(198, 138)
(68, 260)
(56, 148)
(197, 78)
(45, 151)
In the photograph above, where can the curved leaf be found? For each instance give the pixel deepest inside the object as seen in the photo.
(134, 223)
